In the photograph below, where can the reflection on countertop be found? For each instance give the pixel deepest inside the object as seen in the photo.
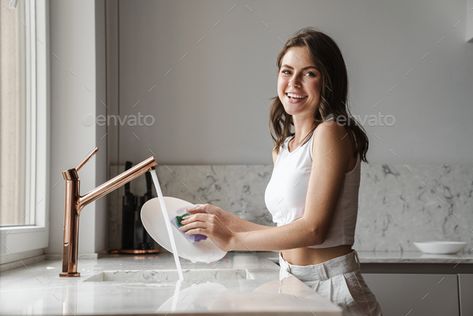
(242, 283)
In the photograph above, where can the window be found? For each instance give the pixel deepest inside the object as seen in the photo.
(23, 128)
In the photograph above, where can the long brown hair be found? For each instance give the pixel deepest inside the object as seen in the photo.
(328, 59)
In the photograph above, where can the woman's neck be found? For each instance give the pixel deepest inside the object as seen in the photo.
(302, 128)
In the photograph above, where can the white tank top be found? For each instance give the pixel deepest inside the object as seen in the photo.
(286, 193)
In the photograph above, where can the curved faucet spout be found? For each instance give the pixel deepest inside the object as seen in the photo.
(116, 182)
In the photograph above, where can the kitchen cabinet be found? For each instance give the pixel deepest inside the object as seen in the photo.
(417, 294)
(465, 286)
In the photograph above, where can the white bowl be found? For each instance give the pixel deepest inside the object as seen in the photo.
(154, 223)
(440, 247)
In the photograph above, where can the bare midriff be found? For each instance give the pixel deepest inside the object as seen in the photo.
(309, 256)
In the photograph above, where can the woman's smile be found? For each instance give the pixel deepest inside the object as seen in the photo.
(292, 95)
(296, 98)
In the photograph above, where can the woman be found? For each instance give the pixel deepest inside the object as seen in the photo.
(313, 191)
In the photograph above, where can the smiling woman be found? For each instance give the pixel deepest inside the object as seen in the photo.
(313, 191)
(23, 137)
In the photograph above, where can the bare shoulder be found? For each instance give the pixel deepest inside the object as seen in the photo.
(330, 129)
(333, 137)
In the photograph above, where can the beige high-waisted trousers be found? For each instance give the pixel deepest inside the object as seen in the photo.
(338, 279)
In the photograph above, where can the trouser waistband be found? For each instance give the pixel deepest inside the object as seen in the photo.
(325, 270)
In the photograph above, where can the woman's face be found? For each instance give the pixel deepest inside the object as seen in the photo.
(299, 83)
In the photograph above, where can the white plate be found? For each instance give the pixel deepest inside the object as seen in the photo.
(153, 221)
(440, 247)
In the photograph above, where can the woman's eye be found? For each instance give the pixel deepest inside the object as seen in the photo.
(285, 72)
(311, 74)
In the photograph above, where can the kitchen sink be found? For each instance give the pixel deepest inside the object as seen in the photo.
(166, 276)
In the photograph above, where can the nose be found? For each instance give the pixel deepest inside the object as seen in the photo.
(294, 82)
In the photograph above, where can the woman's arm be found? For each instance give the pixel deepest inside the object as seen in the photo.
(245, 226)
(331, 155)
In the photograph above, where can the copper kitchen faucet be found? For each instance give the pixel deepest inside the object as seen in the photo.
(75, 202)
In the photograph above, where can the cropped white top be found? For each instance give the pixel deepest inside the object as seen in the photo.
(286, 193)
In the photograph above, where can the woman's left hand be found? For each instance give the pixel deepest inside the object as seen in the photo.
(206, 220)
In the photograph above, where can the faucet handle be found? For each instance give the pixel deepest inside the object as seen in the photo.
(84, 161)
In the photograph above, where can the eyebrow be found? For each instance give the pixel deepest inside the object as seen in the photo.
(290, 67)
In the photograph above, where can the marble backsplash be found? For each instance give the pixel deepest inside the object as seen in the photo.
(398, 204)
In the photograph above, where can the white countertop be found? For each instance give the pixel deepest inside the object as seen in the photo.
(221, 287)
(242, 283)
(413, 257)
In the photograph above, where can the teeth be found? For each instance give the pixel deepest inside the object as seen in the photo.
(295, 96)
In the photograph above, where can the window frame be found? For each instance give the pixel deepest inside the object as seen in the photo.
(18, 242)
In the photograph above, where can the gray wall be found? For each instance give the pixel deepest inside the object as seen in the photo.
(77, 88)
(206, 71)
(469, 23)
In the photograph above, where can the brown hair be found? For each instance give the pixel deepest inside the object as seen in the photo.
(328, 59)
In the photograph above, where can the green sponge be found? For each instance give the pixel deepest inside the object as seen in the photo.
(177, 221)
(180, 218)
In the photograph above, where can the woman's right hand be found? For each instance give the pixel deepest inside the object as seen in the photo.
(230, 220)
